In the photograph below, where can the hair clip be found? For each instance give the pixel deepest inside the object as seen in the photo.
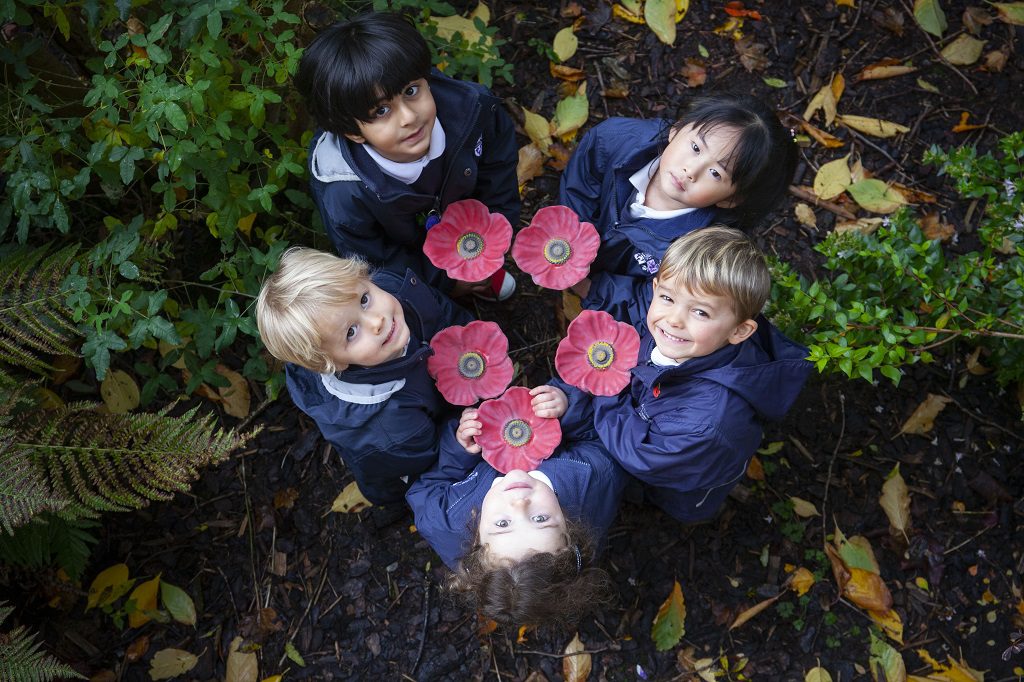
(579, 559)
(792, 134)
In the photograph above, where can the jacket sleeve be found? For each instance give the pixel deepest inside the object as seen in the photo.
(580, 186)
(578, 421)
(354, 230)
(668, 453)
(497, 184)
(623, 297)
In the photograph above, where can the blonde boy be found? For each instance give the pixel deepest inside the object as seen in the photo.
(356, 350)
(711, 370)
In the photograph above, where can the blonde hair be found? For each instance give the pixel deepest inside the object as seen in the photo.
(720, 261)
(294, 298)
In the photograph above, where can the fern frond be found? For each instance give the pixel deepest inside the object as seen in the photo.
(117, 462)
(50, 539)
(35, 321)
(22, 661)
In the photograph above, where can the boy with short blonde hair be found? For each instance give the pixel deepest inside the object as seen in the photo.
(356, 346)
(711, 370)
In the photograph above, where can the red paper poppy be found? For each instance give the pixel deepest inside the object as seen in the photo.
(556, 249)
(597, 353)
(470, 362)
(513, 437)
(469, 243)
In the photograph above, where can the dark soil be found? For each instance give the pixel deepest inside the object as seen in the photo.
(359, 594)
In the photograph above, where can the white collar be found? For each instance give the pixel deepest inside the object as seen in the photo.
(540, 476)
(662, 360)
(641, 180)
(410, 172)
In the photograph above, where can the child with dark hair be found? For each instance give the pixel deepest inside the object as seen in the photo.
(645, 182)
(711, 371)
(523, 546)
(398, 142)
(356, 346)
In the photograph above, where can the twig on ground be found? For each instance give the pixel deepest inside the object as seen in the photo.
(981, 419)
(311, 602)
(831, 462)
(426, 620)
(810, 196)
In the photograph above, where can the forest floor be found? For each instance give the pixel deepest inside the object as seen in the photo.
(358, 595)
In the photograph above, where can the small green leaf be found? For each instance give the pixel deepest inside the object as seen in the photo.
(875, 195)
(669, 623)
(660, 16)
(775, 82)
(128, 270)
(214, 23)
(178, 603)
(565, 44)
(930, 17)
(294, 655)
(175, 116)
(703, 51)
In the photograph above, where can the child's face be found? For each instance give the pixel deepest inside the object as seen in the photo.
(366, 331)
(691, 173)
(400, 128)
(520, 516)
(691, 324)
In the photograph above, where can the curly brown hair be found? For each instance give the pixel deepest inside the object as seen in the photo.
(542, 590)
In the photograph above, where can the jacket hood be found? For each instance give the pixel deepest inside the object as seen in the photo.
(761, 370)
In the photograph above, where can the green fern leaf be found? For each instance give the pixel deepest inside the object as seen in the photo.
(22, 661)
(50, 539)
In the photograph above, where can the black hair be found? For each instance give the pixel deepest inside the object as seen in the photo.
(351, 66)
(764, 159)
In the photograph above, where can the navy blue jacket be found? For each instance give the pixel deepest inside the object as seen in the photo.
(596, 185)
(385, 421)
(586, 480)
(689, 431)
(369, 213)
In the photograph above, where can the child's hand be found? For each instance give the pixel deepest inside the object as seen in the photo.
(548, 401)
(469, 428)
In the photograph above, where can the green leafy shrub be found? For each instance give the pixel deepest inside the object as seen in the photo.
(894, 297)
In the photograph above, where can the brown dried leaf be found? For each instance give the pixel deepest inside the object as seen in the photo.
(576, 665)
(694, 72)
(235, 396)
(137, 649)
(890, 19)
(913, 196)
(755, 471)
(530, 165)
(974, 366)
(64, 367)
(754, 610)
(895, 501)
(560, 156)
(285, 499)
(875, 127)
(933, 229)
(975, 18)
(862, 225)
(995, 61)
(242, 666)
(867, 590)
(963, 51)
(923, 418)
(887, 68)
(805, 215)
(752, 54)
(566, 73)
(169, 663)
(803, 508)
(821, 137)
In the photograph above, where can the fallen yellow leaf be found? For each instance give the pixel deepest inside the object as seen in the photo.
(890, 623)
(867, 590)
(108, 586)
(923, 418)
(801, 581)
(754, 610)
(144, 597)
(875, 127)
(576, 665)
(350, 500)
(895, 501)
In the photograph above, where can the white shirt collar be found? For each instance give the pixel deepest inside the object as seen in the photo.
(540, 476)
(642, 180)
(662, 360)
(410, 172)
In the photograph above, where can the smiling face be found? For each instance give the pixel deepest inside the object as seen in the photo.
(691, 324)
(400, 127)
(521, 516)
(367, 331)
(691, 173)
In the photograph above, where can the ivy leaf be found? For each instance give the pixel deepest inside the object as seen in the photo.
(178, 603)
(669, 623)
(930, 17)
(565, 44)
(660, 16)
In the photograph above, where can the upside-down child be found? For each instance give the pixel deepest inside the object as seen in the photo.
(356, 353)
(645, 182)
(398, 142)
(523, 546)
(711, 370)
